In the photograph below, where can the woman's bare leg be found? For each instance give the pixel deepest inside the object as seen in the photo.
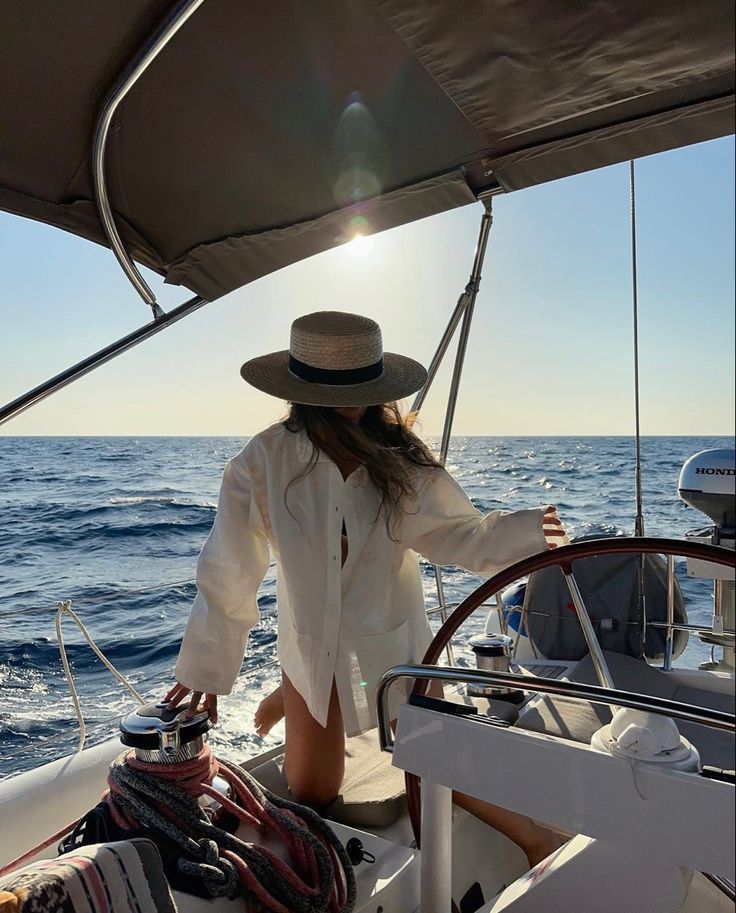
(536, 841)
(315, 755)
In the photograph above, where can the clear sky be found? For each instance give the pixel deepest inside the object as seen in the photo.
(551, 348)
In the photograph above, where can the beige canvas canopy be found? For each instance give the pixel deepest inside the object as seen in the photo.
(266, 132)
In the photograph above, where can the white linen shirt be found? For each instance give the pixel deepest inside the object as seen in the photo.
(344, 623)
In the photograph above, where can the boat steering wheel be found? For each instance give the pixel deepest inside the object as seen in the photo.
(564, 558)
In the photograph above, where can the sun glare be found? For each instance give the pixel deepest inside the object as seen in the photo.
(359, 245)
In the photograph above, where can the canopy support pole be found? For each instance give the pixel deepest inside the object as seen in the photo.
(14, 408)
(124, 84)
(463, 310)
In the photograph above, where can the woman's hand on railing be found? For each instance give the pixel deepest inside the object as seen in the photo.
(179, 692)
(554, 531)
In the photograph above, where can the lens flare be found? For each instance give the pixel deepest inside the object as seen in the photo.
(359, 244)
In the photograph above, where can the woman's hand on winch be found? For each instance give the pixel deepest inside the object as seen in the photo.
(179, 692)
(554, 531)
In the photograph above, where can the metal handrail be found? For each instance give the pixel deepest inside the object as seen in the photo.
(723, 884)
(596, 694)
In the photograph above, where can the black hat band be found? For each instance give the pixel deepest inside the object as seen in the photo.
(335, 377)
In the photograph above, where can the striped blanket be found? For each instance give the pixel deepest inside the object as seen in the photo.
(124, 877)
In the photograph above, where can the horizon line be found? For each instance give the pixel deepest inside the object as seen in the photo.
(433, 435)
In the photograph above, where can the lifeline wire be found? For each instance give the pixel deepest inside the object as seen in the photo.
(65, 608)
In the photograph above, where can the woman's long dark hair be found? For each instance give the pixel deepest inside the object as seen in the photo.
(382, 441)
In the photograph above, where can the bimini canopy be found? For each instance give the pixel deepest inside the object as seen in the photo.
(266, 132)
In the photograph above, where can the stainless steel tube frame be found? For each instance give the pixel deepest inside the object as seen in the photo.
(670, 635)
(436, 857)
(466, 299)
(14, 408)
(440, 353)
(471, 292)
(464, 309)
(104, 120)
(595, 694)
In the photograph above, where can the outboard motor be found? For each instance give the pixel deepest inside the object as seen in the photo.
(708, 483)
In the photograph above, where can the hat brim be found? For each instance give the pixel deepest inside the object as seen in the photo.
(270, 373)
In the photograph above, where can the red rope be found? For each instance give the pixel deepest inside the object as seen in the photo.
(37, 849)
(195, 778)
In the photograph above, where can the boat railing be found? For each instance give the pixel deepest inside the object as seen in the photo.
(596, 694)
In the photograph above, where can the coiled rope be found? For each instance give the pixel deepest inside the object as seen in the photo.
(163, 797)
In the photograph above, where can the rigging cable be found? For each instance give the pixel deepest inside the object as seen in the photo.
(639, 522)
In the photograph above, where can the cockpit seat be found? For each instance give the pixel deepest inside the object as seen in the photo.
(578, 720)
(372, 794)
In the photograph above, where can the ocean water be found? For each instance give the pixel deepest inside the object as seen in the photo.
(116, 524)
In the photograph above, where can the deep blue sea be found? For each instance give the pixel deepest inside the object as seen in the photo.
(116, 524)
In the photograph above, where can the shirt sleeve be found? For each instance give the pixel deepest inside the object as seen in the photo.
(230, 569)
(445, 528)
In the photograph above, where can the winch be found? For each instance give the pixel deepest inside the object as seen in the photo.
(492, 654)
(162, 734)
(708, 483)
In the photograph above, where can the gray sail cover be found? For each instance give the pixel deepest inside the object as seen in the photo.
(609, 585)
(266, 132)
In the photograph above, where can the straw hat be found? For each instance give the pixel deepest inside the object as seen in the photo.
(335, 359)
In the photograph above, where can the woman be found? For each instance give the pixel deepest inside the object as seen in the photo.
(345, 496)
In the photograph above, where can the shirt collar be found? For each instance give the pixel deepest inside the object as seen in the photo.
(304, 448)
(304, 452)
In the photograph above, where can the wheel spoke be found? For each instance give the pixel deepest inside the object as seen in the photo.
(594, 648)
